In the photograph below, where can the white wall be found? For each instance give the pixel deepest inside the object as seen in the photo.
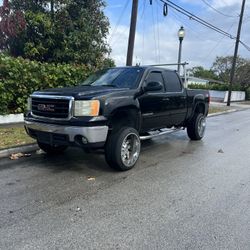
(236, 96)
(5, 119)
(222, 96)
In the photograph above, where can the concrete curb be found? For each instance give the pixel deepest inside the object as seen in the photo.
(21, 149)
(223, 112)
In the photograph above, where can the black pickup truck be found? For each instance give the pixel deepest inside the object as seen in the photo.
(115, 109)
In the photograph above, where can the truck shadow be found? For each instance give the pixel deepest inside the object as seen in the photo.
(76, 160)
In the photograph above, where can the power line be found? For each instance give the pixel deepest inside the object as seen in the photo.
(246, 19)
(200, 20)
(143, 30)
(158, 36)
(218, 43)
(244, 45)
(210, 6)
(119, 20)
(182, 21)
(143, 9)
(178, 17)
(155, 43)
(196, 18)
(125, 28)
(228, 49)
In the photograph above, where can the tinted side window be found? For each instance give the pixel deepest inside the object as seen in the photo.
(155, 76)
(127, 78)
(172, 81)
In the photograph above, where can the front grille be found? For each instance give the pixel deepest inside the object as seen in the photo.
(51, 108)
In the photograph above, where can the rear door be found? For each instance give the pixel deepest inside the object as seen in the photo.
(153, 104)
(176, 97)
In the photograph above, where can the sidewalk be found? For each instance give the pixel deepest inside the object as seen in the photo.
(237, 105)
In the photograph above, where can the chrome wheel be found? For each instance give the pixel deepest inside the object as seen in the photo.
(201, 126)
(130, 149)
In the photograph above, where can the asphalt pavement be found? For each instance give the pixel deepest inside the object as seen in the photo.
(181, 195)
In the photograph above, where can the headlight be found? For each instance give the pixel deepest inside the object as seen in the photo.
(29, 104)
(87, 108)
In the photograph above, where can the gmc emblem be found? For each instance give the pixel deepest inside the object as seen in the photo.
(46, 107)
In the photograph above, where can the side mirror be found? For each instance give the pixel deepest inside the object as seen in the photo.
(153, 86)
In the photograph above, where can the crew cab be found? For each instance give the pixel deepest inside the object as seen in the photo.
(115, 109)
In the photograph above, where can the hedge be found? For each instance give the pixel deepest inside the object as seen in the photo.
(215, 86)
(20, 77)
(248, 94)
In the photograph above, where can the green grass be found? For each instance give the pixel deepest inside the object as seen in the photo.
(13, 136)
(245, 102)
(217, 109)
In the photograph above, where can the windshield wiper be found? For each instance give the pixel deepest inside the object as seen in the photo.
(109, 85)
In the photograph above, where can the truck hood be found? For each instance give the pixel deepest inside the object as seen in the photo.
(79, 92)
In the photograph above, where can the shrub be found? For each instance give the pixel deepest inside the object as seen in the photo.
(20, 77)
(215, 86)
(248, 94)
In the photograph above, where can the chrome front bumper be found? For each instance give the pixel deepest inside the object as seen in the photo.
(92, 134)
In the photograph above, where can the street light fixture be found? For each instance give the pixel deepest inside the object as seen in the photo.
(181, 34)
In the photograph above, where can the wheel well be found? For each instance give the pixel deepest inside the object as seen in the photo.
(200, 108)
(125, 117)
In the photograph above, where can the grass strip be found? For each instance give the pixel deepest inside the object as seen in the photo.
(13, 136)
(217, 109)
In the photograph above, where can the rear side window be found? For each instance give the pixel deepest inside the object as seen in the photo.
(172, 82)
(156, 76)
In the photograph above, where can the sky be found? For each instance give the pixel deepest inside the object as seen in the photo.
(156, 36)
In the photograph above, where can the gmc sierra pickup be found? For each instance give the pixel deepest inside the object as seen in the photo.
(115, 109)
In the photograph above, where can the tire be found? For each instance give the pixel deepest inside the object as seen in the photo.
(196, 127)
(122, 148)
(51, 149)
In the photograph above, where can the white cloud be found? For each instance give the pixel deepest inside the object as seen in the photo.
(200, 46)
(114, 6)
(214, 3)
(225, 3)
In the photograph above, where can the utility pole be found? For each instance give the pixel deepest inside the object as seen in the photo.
(235, 53)
(52, 9)
(131, 39)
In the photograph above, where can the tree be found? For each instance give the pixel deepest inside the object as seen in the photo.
(199, 71)
(61, 31)
(243, 76)
(83, 28)
(222, 67)
(11, 24)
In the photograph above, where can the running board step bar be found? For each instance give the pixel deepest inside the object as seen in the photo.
(160, 132)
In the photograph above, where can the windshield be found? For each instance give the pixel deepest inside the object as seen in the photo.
(115, 77)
